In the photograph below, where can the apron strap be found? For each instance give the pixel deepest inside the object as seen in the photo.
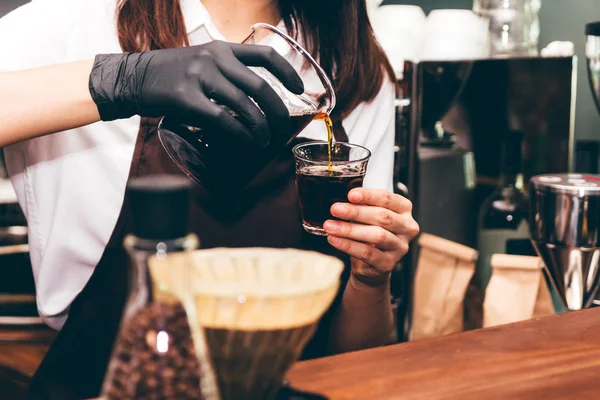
(339, 132)
(146, 124)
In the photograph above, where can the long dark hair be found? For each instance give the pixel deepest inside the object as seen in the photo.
(337, 32)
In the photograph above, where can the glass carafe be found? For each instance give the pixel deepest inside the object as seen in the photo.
(212, 160)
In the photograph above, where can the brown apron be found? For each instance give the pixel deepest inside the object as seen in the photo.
(265, 214)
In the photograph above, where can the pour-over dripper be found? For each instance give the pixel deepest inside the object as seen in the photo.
(253, 309)
(592, 53)
(565, 230)
(211, 159)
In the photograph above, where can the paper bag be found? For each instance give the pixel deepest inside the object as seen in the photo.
(517, 291)
(443, 273)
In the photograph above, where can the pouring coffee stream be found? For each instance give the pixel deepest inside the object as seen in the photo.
(329, 125)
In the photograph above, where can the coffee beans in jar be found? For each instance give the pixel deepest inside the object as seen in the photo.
(154, 357)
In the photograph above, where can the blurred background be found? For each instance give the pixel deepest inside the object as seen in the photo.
(559, 20)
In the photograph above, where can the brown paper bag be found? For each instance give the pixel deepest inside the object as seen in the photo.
(517, 291)
(443, 273)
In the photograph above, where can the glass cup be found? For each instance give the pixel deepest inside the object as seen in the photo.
(320, 184)
(211, 159)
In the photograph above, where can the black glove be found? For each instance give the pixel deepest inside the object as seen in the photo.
(182, 82)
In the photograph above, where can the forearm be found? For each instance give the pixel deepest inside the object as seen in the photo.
(364, 319)
(47, 100)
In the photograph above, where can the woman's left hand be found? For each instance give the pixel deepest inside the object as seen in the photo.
(376, 230)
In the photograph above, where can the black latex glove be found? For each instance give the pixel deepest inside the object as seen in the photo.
(182, 82)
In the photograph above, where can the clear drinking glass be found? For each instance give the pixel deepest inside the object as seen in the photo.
(211, 159)
(320, 183)
(514, 25)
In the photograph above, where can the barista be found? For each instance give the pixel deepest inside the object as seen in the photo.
(71, 184)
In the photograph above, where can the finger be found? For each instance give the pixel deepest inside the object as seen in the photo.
(204, 112)
(376, 235)
(267, 57)
(226, 93)
(363, 252)
(380, 198)
(254, 86)
(378, 216)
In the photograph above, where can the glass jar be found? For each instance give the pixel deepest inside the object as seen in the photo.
(514, 25)
(154, 356)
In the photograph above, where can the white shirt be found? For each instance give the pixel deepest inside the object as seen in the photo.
(71, 184)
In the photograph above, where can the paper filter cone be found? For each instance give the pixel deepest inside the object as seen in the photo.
(256, 308)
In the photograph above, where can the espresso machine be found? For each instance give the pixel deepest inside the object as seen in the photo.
(452, 117)
(460, 111)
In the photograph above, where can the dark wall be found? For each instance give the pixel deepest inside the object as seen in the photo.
(565, 20)
(428, 5)
(7, 6)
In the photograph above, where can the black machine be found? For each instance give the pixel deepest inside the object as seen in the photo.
(452, 118)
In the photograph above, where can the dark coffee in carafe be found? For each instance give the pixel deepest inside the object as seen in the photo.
(220, 164)
(212, 159)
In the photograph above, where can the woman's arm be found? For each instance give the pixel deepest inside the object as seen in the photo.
(364, 319)
(375, 229)
(46, 100)
(179, 82)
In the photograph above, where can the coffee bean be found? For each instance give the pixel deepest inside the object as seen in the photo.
(155, 353)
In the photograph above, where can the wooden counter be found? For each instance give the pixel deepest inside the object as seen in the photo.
(21, 351)
(551, 358)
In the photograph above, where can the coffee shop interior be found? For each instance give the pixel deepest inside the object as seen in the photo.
(497, 146)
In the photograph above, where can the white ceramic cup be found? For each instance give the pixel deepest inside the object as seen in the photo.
(454, 35)
(399, 30)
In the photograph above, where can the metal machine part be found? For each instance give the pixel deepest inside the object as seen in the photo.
(565, 229)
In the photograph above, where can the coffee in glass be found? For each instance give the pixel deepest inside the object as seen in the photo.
(321, 183)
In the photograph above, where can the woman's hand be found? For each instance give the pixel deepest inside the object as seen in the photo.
(185, 83)
(376, 230)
